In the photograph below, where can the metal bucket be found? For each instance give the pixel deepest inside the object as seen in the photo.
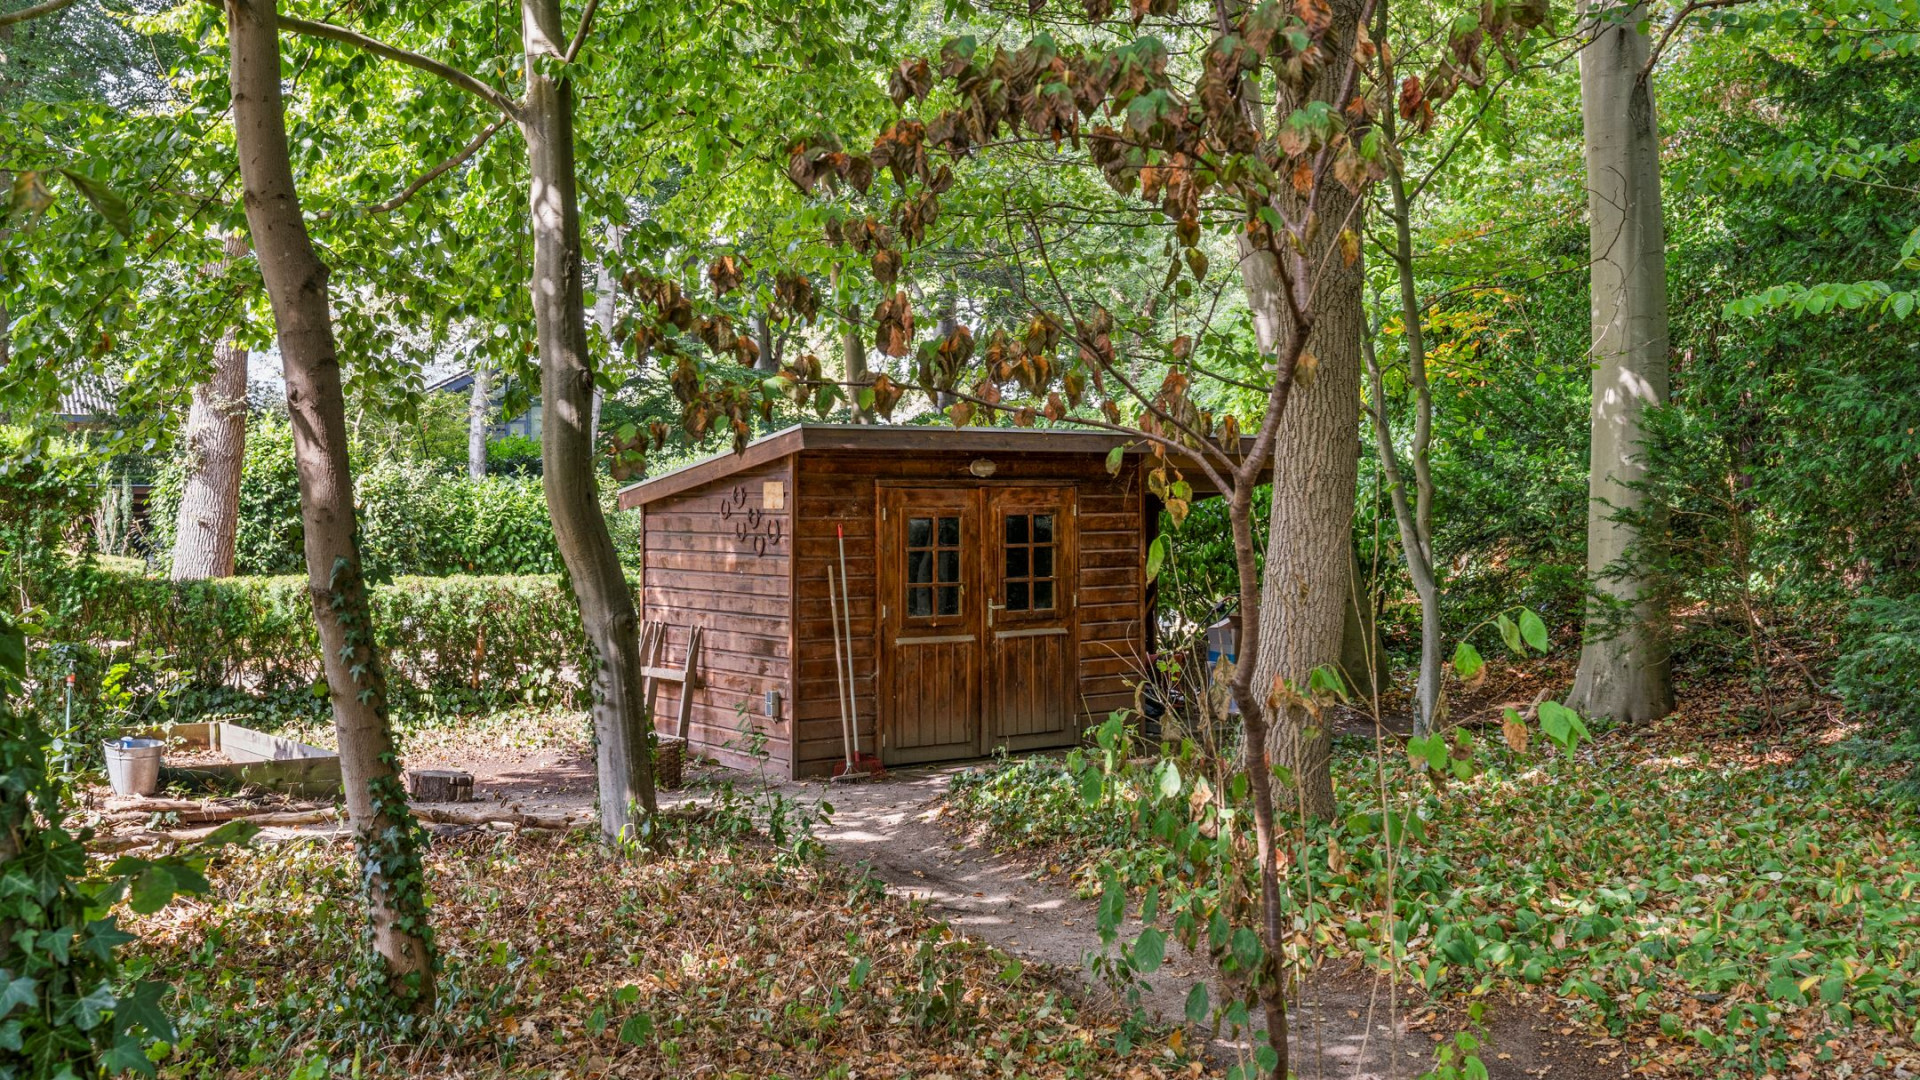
(133, 765)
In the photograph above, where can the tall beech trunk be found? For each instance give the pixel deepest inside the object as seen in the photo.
(479, 420)
(1624, 667)
(1316, 462)
(216, 444)
(620, 724)
(386, 837)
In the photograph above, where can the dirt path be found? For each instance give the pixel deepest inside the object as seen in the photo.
(1341, 1024)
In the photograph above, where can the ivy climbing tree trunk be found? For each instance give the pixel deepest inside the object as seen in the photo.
(216, 443)
(386, 837)
(620, 724)
(1624, 669)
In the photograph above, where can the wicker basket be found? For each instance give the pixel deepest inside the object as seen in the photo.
(669, 756)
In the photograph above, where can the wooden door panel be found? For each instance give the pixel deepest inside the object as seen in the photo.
(1031, 601)
(930, 623)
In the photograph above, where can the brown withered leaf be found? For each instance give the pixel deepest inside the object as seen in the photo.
(1514, 731)
(726, 273)
(912, 79)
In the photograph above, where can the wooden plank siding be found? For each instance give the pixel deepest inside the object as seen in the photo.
(839, 488)
(716, 557)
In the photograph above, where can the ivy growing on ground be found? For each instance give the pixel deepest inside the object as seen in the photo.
(67, 1008)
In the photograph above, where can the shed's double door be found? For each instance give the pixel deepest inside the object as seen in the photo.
(977, 638)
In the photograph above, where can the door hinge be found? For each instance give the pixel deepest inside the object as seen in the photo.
(883, 513)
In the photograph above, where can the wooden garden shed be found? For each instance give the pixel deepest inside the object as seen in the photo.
(997, 581)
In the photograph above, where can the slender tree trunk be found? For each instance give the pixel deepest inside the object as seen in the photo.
(1315, 466)
(606, 314)
(385, 834)
(1624, 668)
(479, 419)
(216, 445)
(1412, 495)
(621, 726)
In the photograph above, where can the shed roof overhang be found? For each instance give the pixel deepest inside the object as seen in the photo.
(899, 439)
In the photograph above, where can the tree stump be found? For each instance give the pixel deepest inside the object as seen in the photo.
(439, 785)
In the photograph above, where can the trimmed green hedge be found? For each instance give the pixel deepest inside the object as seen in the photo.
(451, 643)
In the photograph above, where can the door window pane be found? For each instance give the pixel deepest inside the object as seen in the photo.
(932, 582)
(1017, 596)
(1026, 563)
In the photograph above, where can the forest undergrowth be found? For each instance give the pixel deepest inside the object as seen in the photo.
(727, 957)
(1724, 899)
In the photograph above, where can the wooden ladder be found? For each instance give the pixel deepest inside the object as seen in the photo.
(653, 644)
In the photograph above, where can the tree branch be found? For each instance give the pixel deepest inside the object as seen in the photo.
(580, 35)
(48, 7)
(451, 74)
(430, 175)
(1673, 25)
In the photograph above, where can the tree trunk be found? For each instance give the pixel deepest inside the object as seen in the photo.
(385, 835)
(1316, 461)
(1363, 662)
(216, 444)
(606, 313)
(1624, 669)
(621, 727)
(768, 361)
(479, 420)
(1412, 496)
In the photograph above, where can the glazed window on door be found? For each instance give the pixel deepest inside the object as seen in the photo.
(1030, 547)
(933, 567)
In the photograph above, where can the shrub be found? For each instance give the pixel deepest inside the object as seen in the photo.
(514, 455)
(416, 517)
(1879, 668)
(451, 643)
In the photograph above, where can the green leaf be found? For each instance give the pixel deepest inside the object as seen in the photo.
(1149, 950)
(17, 992)
(858, 976)
(1114, 457)
(1169, 780)
(637, 1030)
(1533, 630)
(111, 206)
(1090, 787)
(88, 1011)
(1509, 633)
(1156, 554)
(1246, 949)
(1197, 1007)
(1466, 661)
